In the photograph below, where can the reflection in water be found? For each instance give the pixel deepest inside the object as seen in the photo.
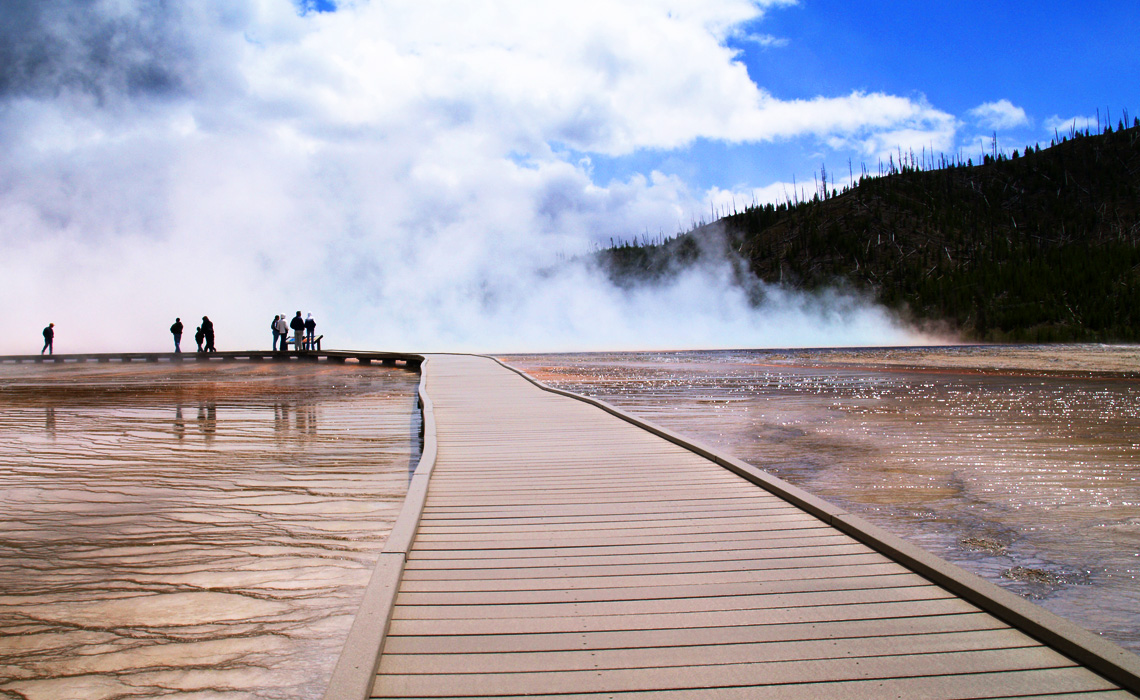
(199, 559)
(295, 422)
(207, 420)
(306, 420)
(280, 420)
(1029, 478)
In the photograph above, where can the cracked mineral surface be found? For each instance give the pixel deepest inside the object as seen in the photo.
(195, 530)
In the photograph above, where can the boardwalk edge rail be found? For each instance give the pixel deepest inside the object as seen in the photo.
(1100, 655)
(364, 357)
(355, 670)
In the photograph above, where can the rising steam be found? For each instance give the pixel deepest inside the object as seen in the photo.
(410, 179)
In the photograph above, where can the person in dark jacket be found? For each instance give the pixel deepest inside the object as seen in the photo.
(276, 332)
(199, 336)
(208, 332)
(49, 338)
(310, 331)
(298, 326)
(176, 331)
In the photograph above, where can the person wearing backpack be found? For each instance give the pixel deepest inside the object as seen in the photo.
(276, 332)
(176, 331)
(49, 339)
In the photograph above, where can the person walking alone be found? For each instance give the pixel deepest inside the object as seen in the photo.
(310, 331)
(208, 332)
(298, 326)
(276, 332)
(176, 331)
(49, 338)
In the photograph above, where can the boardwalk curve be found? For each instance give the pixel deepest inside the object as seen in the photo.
(552, 545)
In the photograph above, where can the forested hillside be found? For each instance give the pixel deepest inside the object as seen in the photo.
(1041, 245)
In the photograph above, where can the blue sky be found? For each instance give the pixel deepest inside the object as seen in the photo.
(1054, 60)
(167, 159)
(1049, 57)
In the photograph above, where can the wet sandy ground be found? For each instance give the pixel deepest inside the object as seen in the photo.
(1019, 463)
(192, 531)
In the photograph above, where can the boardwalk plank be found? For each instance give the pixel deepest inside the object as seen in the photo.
(693, 553)
(507, 643)
(666, 607)
(817, 538)
(946, 605)
(727, 675)
(702, 577)
(1058, 684)
(714, 540)
(585, 511)
(656, 502)
(702, 655)
(442, 519)
(471, 570)
(740, 530)
(662, 590)
(655, 525)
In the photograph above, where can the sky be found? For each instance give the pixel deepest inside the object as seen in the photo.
(429, 175)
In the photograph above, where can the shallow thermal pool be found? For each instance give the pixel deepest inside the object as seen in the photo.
(1021, 464)
(192, 531)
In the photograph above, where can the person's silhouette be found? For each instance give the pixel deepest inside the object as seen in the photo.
(176, 331)
(208, 333)
(49, 338)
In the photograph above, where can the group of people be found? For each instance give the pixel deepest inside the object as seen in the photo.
(304, 332)
(203, 335)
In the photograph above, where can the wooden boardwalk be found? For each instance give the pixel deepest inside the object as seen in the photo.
(558, 549)
(334, 356)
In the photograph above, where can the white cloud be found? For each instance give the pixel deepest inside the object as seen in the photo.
(1063, 126)
(764, 40)
(882, 125)
(398, 168)
(532, 74)
(999, 115)
(727, 201)
(769, 40)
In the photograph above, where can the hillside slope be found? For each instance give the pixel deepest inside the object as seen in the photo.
(1041, 246)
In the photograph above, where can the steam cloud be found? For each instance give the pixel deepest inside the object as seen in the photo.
(412, 174)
